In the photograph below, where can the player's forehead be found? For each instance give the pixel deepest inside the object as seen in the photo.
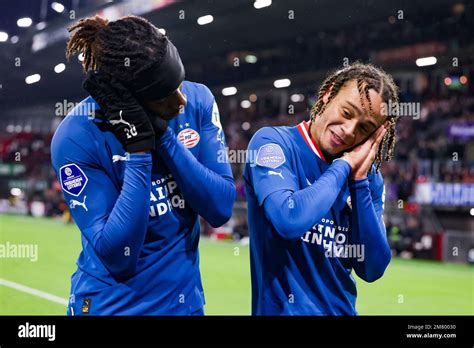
(349, 96)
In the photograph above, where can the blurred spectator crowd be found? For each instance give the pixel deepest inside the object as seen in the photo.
(424, 152)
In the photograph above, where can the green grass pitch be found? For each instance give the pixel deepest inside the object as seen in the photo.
(408, 287)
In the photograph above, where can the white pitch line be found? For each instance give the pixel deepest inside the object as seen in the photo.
(35, 292)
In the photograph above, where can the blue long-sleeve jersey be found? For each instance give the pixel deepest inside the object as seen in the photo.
(309, 226)
(138, 213)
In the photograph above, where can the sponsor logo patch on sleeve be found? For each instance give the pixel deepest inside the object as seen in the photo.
(270, 155)
(216, 121)
(73, 179)
(216, 118)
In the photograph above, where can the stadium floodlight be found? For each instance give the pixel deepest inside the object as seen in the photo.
(32, 78)
(251, 59)
(57, 6)
(205, 20)
(425, 61)
(245, 126)
(258, 4)
(296, 98)
(15, 191)
(14, 39)
(282, 83)
(24, 22)
(162, 30)
(41, 25)
(80, 57)
(245, 104)
(472, 212)
(229, 91)
(59, 68)
(3, 36)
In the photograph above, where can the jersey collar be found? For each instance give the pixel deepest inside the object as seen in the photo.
(303, 128)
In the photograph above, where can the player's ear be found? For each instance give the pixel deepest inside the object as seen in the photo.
(326, 95)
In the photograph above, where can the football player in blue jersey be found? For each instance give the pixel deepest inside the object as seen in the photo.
(137, 171)
(316, 198)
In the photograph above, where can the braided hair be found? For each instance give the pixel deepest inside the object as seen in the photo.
(367, 77)
(107, 45)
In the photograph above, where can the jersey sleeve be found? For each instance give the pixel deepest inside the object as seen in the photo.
(206, 182)
(112, 219)
(269, 165)
(292, 211)
(368, 228)
(83, 184)
(377, 191)
(213, 143)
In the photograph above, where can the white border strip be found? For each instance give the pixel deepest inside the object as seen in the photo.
(34, 292)
(308, 140)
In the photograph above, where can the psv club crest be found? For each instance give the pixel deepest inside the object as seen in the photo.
(189, 137)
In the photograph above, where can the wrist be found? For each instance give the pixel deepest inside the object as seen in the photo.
(358, 183)
(142, 146)
(342, 166)
(347, 158)
(357, 176)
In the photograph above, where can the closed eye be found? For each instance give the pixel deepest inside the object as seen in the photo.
(364, 129)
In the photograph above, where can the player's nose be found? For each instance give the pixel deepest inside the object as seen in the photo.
(183, 100)
(348, 129)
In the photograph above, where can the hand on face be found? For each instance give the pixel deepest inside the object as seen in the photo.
(363, 155)
(163, 110)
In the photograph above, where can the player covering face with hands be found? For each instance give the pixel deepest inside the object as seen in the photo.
(315, 198)
(143, 168)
